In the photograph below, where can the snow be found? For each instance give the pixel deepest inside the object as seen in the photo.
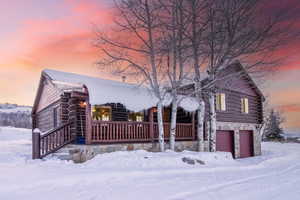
(144, 175)
(101, 91)
(291, 133)
(21, 109)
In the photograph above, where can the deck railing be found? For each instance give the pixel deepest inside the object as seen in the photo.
(43, 145)
(112, 131)
(184, 131)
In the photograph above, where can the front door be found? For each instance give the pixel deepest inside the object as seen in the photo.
(81, 121)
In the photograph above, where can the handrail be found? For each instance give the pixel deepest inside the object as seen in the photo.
(43, 145)
(54, 130)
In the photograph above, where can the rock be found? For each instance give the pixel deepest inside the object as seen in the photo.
(73, 151)
(130, 147)
(82, 156)
(191, 161)
(200, 162)
(188, 160)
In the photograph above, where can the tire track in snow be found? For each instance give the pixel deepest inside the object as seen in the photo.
(188, 195)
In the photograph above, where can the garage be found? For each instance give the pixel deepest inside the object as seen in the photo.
(225, 141)
(246, 144)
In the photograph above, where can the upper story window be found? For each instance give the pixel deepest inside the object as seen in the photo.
(136, 117)
(101, 113)
(221, 102)
(245, 105)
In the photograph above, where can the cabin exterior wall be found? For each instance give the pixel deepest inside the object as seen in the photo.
(44, 119)
(233, 112)
(49, 95)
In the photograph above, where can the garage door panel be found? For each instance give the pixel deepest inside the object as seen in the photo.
(225, 141)
(246, 144)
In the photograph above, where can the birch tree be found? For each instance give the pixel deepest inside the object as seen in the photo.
(133, 47)
(195, 12)
(237, 31)
(173, 47)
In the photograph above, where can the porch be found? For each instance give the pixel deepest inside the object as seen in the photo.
(135, 127)
(83, 128)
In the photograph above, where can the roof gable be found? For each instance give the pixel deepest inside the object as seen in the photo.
(236, 78)
(47, 94)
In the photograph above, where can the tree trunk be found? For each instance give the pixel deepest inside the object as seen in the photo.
(261, 131)
(213, 122)
(160, 127)
(200, 127)
(207, 127)
(173, 124)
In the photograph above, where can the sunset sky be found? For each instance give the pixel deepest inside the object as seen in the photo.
(57, 34)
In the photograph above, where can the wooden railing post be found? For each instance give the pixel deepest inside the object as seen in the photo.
(88, 122)
(151, 120)
(36, 141)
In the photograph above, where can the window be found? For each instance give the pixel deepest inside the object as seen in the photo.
(101, 113)
(220, 102)
(136, 117)
(245, 105)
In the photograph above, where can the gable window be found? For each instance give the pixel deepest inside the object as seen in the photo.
(101, 113)
(245, 105)
(221, 102)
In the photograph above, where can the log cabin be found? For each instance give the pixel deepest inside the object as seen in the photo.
(104, 115)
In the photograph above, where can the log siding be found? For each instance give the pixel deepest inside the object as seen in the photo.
(44, 119)
(233, 112)
(49, 95)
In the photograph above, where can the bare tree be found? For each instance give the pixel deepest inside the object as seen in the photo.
(237, 31)
(195, 13)
(173, 46)
(135, 50)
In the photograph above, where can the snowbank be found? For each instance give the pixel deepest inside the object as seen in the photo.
(101, 91)
(143, 160)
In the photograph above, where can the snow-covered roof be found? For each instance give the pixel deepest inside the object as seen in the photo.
(102, 91)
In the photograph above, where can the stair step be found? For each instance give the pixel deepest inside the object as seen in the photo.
(62, 156)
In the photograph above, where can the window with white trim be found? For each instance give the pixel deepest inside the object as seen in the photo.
(221, 102)
(245, 105)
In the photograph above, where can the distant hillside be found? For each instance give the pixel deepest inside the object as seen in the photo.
(15, 115)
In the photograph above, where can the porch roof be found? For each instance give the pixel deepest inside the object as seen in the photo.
(101, 91)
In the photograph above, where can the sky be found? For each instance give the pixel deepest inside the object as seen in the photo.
(58, 34)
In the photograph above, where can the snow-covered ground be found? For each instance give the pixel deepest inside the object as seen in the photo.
(292, 133)
(143, 175)
(12, 108)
